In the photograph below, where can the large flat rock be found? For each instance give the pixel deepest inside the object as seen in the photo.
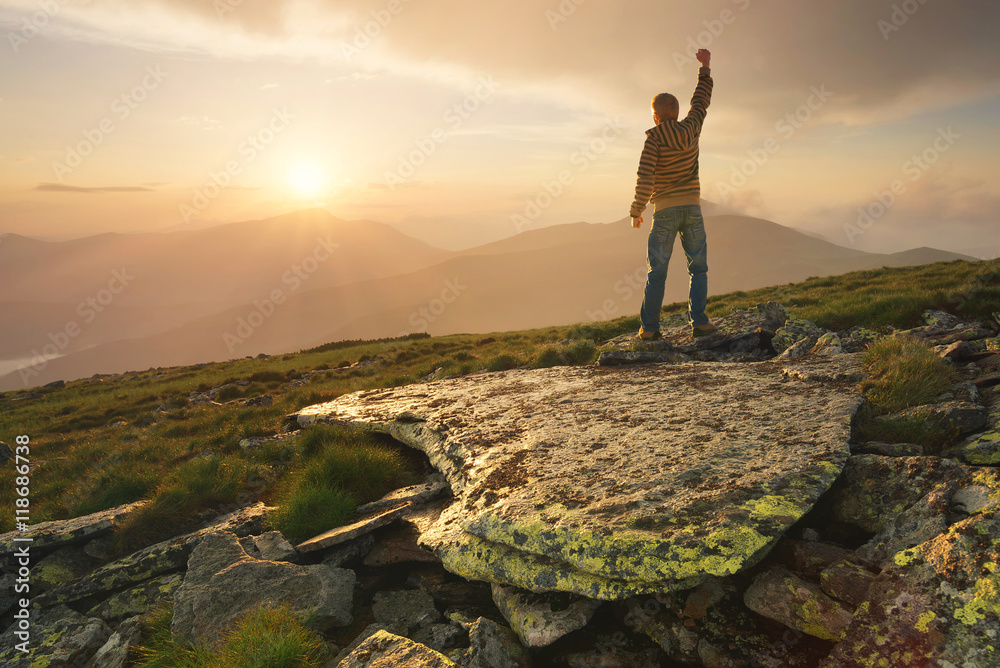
(613, 482)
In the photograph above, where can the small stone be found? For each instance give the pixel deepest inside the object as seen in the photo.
(408, 608)
(114, 653)
(794, 329)
(541, 619)
(367, 633)
(810, 558)
(494, 646)
(956, 351)
(799, 348)
(784, 597)
(846, 581)
(385, 650)
(273, 547)
(262, 400)
(439, 637)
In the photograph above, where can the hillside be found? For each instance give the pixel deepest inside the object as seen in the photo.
(148, 283)
(553, 276)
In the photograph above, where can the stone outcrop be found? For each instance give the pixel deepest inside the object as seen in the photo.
(222, 583)
(614, 482)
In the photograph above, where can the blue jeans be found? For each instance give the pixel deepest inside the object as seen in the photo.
(666, 224)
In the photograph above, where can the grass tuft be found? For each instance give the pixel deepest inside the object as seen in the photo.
(903, 373)
(344, 469)
(267, 637)
(503, 363)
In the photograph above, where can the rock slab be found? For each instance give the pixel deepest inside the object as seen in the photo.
(613, 482)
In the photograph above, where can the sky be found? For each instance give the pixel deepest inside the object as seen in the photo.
(872, 123)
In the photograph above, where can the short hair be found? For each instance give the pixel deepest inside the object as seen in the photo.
(665, 105)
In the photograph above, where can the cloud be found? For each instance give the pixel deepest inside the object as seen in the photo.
(63, 188)
(609, 53)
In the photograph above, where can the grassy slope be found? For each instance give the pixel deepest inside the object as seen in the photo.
(188, 458)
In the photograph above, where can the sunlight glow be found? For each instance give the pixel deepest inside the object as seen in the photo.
(307, 178)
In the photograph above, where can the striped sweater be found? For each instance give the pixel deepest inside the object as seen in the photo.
(668, 167)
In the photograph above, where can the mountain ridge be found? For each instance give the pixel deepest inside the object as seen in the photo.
(545, 277)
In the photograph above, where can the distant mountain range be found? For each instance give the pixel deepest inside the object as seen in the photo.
(113, 303)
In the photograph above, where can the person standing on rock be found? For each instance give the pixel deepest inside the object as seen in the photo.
(668, 175)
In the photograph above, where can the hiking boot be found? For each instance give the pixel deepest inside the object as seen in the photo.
(703, 330)
(643, 335)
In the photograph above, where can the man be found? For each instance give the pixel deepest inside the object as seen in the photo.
(668, 175)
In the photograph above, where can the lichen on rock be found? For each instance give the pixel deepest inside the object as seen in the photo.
(613, 482)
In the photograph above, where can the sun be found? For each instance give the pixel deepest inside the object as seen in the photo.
(307, 178)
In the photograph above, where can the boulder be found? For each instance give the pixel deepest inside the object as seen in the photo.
(711, 626)
(982, 449)
(922, 521)
(828, 344)
(541, 619)
(365, 634)
(810, 557)
(166, 557)
(781, 595)
(614, 482)
(494, 646)
(222, 583)
(385, 650)
(963, 417)
(799, 348)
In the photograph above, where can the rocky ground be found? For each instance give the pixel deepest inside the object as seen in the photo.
(696, 502)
